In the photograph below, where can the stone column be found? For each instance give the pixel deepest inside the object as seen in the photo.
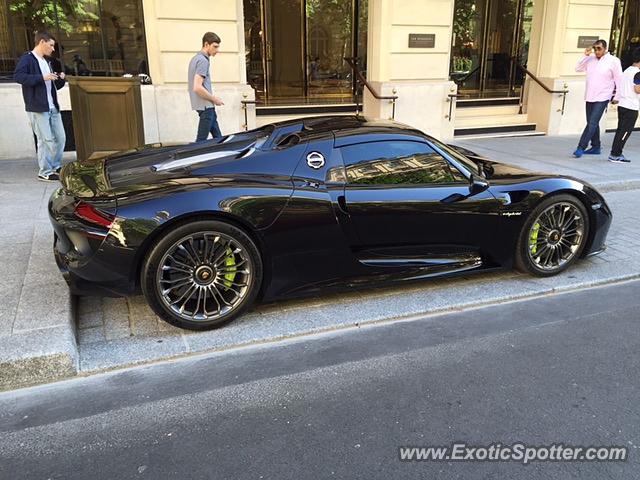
(418, 76)
(553, 55)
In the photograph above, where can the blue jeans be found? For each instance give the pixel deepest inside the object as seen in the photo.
(51, 139)
(591, 132)
(208, 124)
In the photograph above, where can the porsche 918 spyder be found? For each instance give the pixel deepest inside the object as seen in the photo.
(305, 206)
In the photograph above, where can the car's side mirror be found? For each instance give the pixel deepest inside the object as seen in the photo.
(477, 184)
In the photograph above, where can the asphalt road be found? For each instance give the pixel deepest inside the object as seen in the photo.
(558, 369)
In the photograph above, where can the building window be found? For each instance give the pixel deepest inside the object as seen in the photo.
(93, 37)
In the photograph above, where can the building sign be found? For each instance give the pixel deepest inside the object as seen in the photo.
(422, 40)
(587, 41)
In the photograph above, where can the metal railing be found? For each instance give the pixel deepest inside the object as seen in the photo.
(451, 98)
(392, 98)
(544, 87)
(244, 103)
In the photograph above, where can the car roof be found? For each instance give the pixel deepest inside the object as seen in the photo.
(341, 127)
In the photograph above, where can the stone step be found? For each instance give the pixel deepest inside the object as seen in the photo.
(307, 109)
(501, 135)
(509, 119)
(487, 111)
(494, 129)
(486, 102)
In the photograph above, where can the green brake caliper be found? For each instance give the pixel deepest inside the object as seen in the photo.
(533, 238)
(230, 263)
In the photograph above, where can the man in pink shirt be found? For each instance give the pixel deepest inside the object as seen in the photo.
(603, 74)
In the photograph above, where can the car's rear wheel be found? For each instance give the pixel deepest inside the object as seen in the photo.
(553, 236)
(202, 274)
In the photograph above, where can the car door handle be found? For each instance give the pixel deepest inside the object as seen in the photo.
(342, 204)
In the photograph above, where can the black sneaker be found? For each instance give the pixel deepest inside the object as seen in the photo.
(57, 170)
(619, 159)
(52, 177)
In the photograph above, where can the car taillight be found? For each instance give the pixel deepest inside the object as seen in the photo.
(93, 215)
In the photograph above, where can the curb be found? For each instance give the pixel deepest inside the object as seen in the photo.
(43, 345)
(275, 337)
(43, 355)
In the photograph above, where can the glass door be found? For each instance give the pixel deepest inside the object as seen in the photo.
(467, 47)
(284, 48)
(254, 47)
(625, 30)
(489, 38)
(501, 36)
(330, 32)
(295, 49)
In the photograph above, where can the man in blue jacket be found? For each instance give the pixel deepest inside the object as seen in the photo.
(39, 85)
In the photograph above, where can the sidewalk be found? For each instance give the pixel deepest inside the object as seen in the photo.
(37, 322)
(42, 338)
(554, 155)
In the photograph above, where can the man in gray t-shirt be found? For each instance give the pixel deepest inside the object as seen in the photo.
(203, 101)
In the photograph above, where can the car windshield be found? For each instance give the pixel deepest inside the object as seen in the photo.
(467, 163)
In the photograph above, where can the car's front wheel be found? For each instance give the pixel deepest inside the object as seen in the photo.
(202, 274)
(553, 236)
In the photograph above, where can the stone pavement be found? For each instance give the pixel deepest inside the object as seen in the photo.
(42, 338)
(37, 321)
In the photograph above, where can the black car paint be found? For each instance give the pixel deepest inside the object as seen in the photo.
(313, 231)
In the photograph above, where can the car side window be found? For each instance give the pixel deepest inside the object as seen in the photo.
(397, 162)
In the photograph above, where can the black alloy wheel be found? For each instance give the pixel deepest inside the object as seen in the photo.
(202, 274)
(553, 236)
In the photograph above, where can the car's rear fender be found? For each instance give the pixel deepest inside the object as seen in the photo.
(251, 208)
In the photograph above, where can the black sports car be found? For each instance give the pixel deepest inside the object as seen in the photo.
(305, 205)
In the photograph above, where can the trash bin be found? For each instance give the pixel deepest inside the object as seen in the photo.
(107, 115)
